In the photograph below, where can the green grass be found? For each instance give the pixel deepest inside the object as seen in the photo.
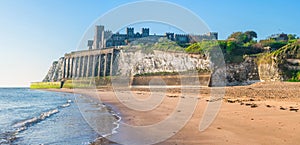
(295, 77)
(70, 84)
(45, 85)
(292, 80)
(163, 44)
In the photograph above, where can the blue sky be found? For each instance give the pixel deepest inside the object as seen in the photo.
(33, 33)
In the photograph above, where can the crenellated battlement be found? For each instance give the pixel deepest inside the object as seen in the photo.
(106, 38)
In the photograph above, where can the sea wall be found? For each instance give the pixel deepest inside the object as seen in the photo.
(172, 80)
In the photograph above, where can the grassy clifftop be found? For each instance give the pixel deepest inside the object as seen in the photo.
(289, 51)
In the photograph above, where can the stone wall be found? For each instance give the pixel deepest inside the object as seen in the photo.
(133, 63)
(172, 80)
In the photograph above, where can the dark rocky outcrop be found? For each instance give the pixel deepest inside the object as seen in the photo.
(242, 73)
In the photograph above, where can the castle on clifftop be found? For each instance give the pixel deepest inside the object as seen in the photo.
(101, 57)
(106, 38)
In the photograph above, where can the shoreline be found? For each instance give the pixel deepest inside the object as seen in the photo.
(269, 121)
(101, 139)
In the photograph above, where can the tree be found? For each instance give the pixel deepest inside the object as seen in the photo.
(235, 35)
(242, 38)
(250, 35)
(222, 44)
(292, 36)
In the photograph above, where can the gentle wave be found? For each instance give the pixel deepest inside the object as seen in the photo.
(65, 105)
(9, 136)
(117, 117)
(29, 122)
(102, 139)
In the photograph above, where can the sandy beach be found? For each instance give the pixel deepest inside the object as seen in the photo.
(261, 113)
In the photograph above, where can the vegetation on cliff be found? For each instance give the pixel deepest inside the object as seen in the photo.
(286, 59)
(239, 44)
(289, 51)
(295, 77)
(279, 51)
(274, 50)
(162, 44)
(234, 47)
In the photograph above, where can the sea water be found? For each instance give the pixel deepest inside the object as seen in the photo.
(41, 117)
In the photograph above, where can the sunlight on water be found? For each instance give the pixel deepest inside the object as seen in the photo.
(38, 117)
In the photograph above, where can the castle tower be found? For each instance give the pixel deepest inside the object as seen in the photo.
(170, 36)
(130, 32)
(215, 35)
(212, 35)
(99, 37)
(90, 44)
(182, 38)
(145, 32)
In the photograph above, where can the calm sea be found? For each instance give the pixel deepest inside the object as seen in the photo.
(40, 117)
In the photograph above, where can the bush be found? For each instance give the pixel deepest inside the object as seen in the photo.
(202, 47)
(273, 44)
(295, 77)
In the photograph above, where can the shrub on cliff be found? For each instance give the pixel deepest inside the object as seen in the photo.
(295, 77)
(243, 38)
(202, 47)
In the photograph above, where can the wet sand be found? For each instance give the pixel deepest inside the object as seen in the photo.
(261, 113)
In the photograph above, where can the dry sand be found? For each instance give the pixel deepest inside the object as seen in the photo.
(256, 114)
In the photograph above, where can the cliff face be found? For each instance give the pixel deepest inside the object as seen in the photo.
(242, 73)
(270, 72)
(133, 63)
(281, 64)
(138, 63)
(55, 71)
